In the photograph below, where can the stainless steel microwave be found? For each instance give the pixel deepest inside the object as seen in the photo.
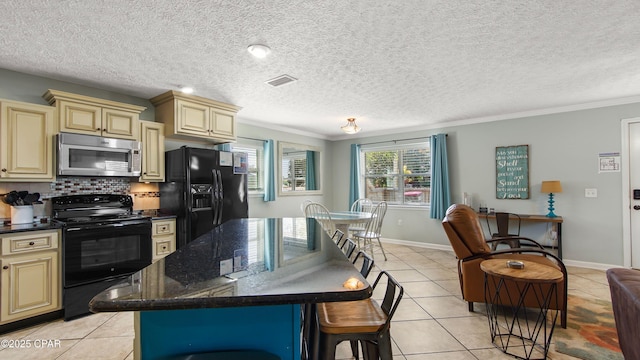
(87, 155)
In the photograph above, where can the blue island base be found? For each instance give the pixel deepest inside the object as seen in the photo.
(274, 328)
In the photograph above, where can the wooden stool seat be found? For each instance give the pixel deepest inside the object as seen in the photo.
(363, 321)
(348, 317)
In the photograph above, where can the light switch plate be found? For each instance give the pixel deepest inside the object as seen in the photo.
(591, 193)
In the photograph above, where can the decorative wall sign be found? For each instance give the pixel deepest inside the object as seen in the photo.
(512, 172)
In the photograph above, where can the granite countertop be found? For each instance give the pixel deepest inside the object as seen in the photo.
(158, 214)
(243, 262)
(7, 228)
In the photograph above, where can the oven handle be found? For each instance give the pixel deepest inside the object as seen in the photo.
(103, 226)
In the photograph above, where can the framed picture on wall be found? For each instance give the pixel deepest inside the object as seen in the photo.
(512, 172)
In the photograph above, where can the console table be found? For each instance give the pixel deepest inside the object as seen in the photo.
(536, 219)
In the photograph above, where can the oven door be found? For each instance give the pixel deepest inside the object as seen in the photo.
(96, 252)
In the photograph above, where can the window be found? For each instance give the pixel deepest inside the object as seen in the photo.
(255, 174)
(398, 174)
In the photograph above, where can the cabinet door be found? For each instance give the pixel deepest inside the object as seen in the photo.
(192, 118)
(223, 124)
(26, 151)
(30, 285)
(79, 118)
(120, 124)
(163, 246)
(152, 136)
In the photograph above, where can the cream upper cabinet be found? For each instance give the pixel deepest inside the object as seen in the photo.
(26, 142)
(189, 117)
(30, 282)
(92, 116)
(152, 138)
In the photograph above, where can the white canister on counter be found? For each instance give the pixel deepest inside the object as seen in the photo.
(21, 214)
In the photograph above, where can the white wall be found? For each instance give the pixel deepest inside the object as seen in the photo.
(28, 88)
(562, 146)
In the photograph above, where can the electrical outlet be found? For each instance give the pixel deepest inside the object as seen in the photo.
(591, 193)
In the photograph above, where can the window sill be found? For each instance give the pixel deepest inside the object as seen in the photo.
(409, 207)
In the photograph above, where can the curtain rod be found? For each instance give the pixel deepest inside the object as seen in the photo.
(396, 140)
(248, 138)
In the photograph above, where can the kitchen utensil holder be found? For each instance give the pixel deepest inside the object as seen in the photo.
(22, 214)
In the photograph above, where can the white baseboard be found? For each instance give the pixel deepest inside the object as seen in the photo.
(576, 263)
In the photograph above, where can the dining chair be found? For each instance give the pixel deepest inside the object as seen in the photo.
(503, 219)
(366, 321)
(360, 205)
(373, 229)
(304, 204)
(322, 215)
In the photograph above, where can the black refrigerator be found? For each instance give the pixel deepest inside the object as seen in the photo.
(204, 188)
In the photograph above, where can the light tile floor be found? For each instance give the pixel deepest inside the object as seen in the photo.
(432, 321)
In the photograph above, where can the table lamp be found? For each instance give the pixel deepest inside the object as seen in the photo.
(551, 187)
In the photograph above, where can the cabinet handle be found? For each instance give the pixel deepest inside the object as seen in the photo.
(164, 248)
(31, 243)
(4, 170)
(98, 129)
(5, 267)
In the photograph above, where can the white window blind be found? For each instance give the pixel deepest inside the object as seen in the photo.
(294, 171)
(255, 163)
(397, 174)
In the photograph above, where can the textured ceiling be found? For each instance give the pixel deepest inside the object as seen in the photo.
(409, 63)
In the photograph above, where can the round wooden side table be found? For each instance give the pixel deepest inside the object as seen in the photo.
(517, 330)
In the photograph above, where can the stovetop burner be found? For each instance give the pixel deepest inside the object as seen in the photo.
(93, 208)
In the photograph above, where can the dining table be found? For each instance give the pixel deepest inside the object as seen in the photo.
(343, 219)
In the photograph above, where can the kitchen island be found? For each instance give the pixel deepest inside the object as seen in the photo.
(239, 286)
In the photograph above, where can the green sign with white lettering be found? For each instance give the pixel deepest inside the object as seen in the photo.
(512, 172)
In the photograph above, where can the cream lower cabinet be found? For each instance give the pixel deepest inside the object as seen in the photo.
(152, 138)
(30, 279)
(189, 117)
(163, 235)
(92, 116)
(26, 142)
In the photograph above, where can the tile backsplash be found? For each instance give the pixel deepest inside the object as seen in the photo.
(145, 196)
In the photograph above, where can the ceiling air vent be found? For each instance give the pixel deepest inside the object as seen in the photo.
(281, 80)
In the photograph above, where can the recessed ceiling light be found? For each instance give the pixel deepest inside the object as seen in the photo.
(258, 50)
(187, 90)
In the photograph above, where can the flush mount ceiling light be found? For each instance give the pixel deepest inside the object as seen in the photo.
(351, 127)
(258, 50)
(186, 89)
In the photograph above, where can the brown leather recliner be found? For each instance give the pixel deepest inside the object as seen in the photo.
(465, 233)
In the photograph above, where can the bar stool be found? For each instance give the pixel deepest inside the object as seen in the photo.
(365, 269)
(348, 247)
(363, 320)
(337, 236)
